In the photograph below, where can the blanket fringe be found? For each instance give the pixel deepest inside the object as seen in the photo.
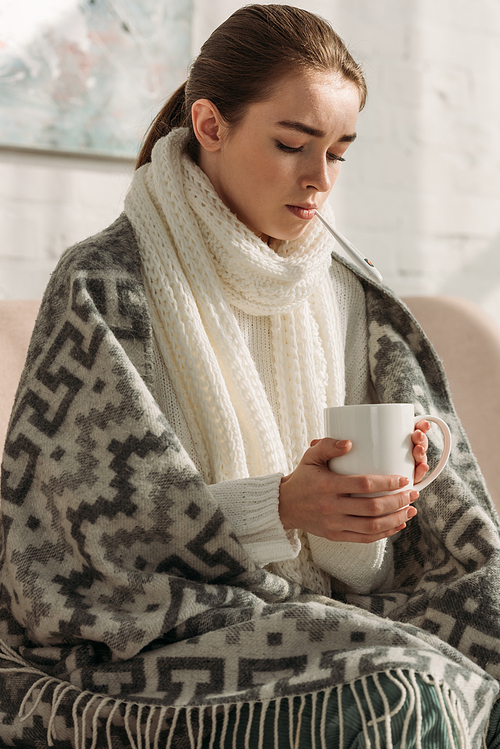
(144, 723)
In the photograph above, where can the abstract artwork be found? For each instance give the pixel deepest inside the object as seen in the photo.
(88, 76)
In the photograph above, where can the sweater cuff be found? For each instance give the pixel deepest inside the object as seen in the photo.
(364, 567)
(251, 506)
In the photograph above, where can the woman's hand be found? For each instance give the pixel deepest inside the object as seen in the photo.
(318, 501)
(421, 444)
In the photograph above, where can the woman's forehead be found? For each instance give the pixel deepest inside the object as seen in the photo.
(315, 104)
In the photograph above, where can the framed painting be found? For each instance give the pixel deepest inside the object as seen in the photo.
(88, 76)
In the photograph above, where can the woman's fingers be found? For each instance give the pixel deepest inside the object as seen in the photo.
(420, 471)
(374, 526)
(376, 506)
(361, 526)
(419, 452)
(419, 437)
(319, 501)
(321, 451)
(363, 538)
(368, 484)
(421, 467)
(423, 425)
(421, 443)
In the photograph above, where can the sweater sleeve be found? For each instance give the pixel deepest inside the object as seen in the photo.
(364, 567)
(251, 506)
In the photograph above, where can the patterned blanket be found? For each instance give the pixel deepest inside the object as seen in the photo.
(129, 610)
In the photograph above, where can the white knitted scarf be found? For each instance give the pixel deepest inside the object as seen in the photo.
(199, 263)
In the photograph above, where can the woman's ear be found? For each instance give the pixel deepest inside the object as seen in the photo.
(208, 124)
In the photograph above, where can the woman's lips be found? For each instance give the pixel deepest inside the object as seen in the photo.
(305, 213)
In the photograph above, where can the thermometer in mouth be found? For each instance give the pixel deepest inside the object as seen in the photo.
(351, 250)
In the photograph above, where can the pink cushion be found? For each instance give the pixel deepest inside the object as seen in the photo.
(468, 342)
(17, 318)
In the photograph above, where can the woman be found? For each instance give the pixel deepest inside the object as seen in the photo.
(179, 565)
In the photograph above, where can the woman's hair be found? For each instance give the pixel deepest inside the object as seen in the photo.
(244, 59)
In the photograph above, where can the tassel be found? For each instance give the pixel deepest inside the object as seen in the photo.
(138, 724)
(249, 724)
(74, 715)
(128, 728)
(314, 698)
(456, 711)
(362, 715)
(29, 694)
(385, 701)
(323, 717)
(277, 708)
(237, 723)
(95, 720)
(299, 722)
(109, 723)
(213, 731)
(263, 712)
(411, 689)
(225, 724)
(190, 727)
(201, 718)
(94, 698)
(147, 732)
(430, 680)
(290, 722)
(374, 721)
(172, 728)
(161, 718)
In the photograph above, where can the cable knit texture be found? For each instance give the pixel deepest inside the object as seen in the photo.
(204, 270)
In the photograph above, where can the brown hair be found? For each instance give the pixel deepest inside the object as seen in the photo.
(242, 61)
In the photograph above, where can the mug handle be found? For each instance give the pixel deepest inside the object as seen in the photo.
(446, 450)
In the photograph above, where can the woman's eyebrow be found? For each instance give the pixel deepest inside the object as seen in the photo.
(301, 127)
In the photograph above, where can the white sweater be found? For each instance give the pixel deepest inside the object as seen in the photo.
(251, 504)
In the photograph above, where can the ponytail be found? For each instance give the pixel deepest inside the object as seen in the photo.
(171, 116)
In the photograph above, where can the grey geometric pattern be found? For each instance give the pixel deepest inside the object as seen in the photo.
(120, 576)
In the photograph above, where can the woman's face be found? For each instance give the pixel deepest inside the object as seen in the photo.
(281, 161)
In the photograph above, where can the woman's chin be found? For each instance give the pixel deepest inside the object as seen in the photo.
(290, 233)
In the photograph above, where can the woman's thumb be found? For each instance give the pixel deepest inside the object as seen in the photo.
(329, 447)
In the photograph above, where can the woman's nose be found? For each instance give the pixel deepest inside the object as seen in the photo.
(318, 176)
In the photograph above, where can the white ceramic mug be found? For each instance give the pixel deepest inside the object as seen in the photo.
(381, 441)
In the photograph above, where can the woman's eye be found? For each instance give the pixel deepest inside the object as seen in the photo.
(332, 157)
(288, 149)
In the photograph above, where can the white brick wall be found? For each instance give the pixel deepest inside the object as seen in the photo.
(48, 203)
(421, 190)
(419, 193)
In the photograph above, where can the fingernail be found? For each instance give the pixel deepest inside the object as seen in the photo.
(414, 496)
(403, 481)
(411, 512)
(342, 443)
